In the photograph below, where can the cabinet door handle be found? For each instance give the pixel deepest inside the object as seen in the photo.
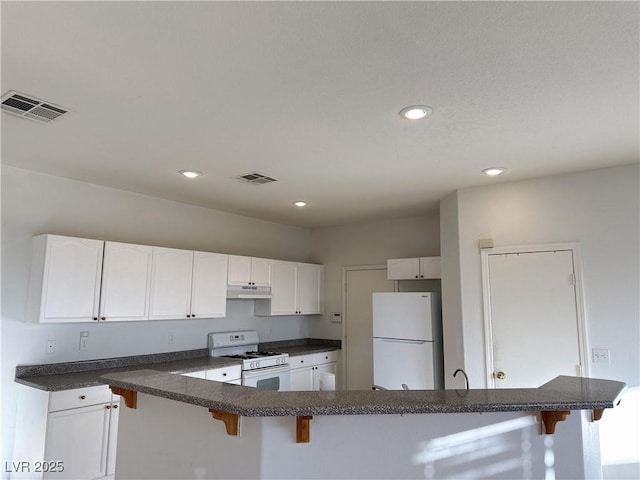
(115, 406)
(193, 315)
(95, 318)
(82, 397)
(107, 407)
(103, 318)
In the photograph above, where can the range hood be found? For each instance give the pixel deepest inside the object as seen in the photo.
(234, 291)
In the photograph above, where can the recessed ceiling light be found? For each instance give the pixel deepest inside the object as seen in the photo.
(190, 173)
(416, 112)
(300, 203)
(493, 171)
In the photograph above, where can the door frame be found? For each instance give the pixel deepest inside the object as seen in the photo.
(574, 247)
(345, 319)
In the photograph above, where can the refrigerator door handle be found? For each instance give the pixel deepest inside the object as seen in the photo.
(401, 340)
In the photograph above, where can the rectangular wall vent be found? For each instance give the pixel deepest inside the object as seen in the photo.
(255, 178)
(26, 106)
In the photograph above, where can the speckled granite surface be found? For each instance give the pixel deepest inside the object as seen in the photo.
(562, 393)
(66, 376)
(302, 346)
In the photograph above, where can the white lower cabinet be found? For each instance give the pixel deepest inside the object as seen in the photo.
(70, 435)
(230, 374)
(306, 369)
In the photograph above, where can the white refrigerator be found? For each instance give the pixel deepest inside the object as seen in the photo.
(407, 341)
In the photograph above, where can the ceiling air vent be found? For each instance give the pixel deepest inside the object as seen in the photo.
(30, 107)
(255, 178)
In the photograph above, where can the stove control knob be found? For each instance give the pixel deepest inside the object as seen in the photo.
(257, 364)
(252, 365)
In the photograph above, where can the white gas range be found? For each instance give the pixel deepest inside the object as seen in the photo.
(266, 370)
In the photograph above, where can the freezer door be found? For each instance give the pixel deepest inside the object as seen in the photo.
(403, 315)
(403, 361)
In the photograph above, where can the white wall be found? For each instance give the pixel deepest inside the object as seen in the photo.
(370, 243)
(600, 209)
(34, 203)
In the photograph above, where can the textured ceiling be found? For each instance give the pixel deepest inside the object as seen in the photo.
(309, 93)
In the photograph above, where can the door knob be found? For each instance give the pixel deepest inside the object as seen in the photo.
(501, 375)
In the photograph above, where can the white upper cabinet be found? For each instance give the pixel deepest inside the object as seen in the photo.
(296, 289)
(125, 282)
(209, 286)
(283, 288)
(413, 268)
(309, 288)
(249, 271)
(171, 275)
(82, 280)
(65, 279)
(186, 284)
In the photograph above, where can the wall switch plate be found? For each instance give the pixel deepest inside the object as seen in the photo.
(84, 341)
(172, 338)
(51, 346)
(336, 317)
(601, 355)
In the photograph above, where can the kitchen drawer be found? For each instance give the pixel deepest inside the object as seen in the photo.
(326, 357)
(224, 374)
(300, 361)
(79, 397)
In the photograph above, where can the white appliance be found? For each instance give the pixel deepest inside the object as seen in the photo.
(407, 341)
(244, 291)
(265, 370)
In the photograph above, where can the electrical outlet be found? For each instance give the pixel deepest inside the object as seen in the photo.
(601, 355)
(172, 338)
(51, 346)
(84, 341)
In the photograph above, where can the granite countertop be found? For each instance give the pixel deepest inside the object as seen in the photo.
(562, 393)
(70, 375)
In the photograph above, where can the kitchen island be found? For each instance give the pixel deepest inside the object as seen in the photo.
(181, 427)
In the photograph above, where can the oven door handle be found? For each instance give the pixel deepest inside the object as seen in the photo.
(263, 370)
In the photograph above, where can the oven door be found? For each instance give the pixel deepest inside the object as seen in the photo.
(269, 378)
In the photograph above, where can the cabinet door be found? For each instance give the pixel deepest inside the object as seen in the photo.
(430, 267)
(403, 268)
(283, 288)
(78, 438)
(171, 275)
(71, 280)
(309, 288)
(209, 287)
(261, 272)
(112, 445)
(301, 379)
(325, 368)
(125, 282)
(239, 270)
(225, 374)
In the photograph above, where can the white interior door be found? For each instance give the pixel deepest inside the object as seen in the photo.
(358, 347)
(533, 323)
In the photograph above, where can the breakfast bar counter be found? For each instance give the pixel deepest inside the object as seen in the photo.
(172, 430)
(561, 394)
